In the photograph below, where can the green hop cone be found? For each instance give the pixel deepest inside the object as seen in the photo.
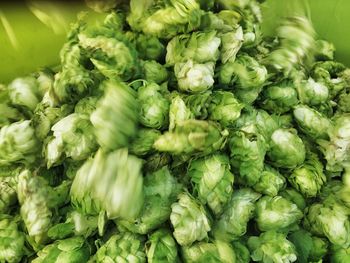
(74, 81)
(154, 106)
(212, 181)
(311, 122)
(86, 105)
(189, 220)
(232, 223)
(143, 142)
(340, 255)
(154, 72)
(247, 156)
(279, 98)
(297, 40)
(194, 78)
(295, 197)
(73, 250)
(329, 220)
(12, 240)
(76, 224)
(200, 47)
(231, 43)
(270, 182)
(224, 108)
(271, 246)
(160, 191)
(308, 178)
(199, 104)
(311, 92)
(122, 247)
(332, 74)
(324, 50)
(115, 117)
(258, 123)
(336, 150)
(344, 101)
(276, 213)
(8, 193)
(245, 72)
(37, 200)
(309, 248)
(218, 251)
(113, 55)
(156, 161)
(164, 21)
(178, 112)
(73, 137)
(110, 182)
(24, 93)
(320, 248)
(46, 116)
(149, 47)
(192, 136)
(286, 149)
(241, 251)
(80, 192)
(9, 113)
(161, 247)
(18, 143)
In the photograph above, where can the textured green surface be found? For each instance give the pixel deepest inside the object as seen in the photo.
(37, 44)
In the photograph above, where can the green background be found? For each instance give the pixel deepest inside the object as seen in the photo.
(37, 44)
